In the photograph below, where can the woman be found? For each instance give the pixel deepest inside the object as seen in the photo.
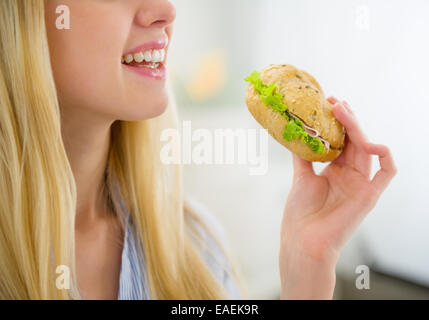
(82, 187)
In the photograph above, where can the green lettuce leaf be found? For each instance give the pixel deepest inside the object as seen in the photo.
(267, 94)
(294, 129)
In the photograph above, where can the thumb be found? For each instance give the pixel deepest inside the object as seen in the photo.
(301, 167)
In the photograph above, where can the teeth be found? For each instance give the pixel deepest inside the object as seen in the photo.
(148, 56)
(156, 56)
(150, 66)
(139, 57)
(129, 58)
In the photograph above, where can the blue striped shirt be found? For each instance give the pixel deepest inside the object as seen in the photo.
(133, 264)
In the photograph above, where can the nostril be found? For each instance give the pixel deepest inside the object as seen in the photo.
(160, 23)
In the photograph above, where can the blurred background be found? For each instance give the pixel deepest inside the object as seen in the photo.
(374, 54)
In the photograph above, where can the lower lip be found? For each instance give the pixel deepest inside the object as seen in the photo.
(157, 74)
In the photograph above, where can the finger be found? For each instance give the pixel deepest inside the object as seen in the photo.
(301, 167)
(349, 121)
(387, 166)
(347, 107)
(333, 100)
(360, 159)
(347, 153)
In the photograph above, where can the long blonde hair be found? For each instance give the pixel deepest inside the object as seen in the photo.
(38, 191)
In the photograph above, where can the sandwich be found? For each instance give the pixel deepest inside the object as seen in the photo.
(291, 105)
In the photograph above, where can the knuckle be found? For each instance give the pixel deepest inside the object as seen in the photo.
(394, 170)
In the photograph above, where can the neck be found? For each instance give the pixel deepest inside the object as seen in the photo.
(87, 143)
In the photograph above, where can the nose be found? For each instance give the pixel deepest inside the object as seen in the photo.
(159, 13)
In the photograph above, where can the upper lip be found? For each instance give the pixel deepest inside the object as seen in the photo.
(151, 45)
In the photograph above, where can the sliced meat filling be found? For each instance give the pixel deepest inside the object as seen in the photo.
(312, 132)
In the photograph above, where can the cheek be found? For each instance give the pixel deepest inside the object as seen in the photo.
(85, 84)
(84, 65)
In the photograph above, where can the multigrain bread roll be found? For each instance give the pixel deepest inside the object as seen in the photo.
(291, 105)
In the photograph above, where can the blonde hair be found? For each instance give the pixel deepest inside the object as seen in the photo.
(38, 192)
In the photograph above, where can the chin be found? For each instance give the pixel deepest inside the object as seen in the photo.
(158, 110)
(146, 110)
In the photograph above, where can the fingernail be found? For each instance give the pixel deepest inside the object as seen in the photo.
(344, 108)
(340, 105)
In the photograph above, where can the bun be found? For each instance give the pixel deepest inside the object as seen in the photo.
(305, 101)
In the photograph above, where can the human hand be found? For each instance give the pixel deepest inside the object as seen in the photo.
(322, 211)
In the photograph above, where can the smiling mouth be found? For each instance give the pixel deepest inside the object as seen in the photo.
(151, 59)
